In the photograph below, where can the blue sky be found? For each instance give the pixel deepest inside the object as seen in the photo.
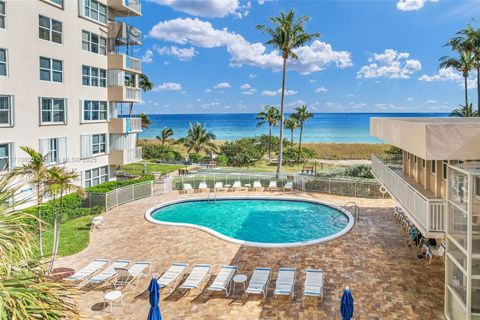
(373, 56)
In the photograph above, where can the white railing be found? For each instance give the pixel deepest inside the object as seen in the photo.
(132, 93)
(133, 125)
(133, 64)
(134, 5)
(120, 196)
(132, 155)
(430, 213)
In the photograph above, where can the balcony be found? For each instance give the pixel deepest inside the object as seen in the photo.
(124, 62)
(425, 211)
(125, 156)
(124, 94)
(125, 8)
(125, 125)
(122, 34)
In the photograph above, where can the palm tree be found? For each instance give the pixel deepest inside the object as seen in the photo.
(36, 171)
(270, 115)
(143, 83)
(464, 64)
(145, 120)
(165, 135)
(291, 123)
(302, 115)
(25, 292)
(464, 111)
(60, 181)
(198, 139)
(286, 35)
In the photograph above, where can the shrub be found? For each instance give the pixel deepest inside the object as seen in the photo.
(290, 155)
(112, 185)
(159, 152)
(264, 140)
(360, 171)
(194, 157)
(243, 152)
(222, 160)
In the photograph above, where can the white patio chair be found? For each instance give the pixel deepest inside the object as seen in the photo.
(288, 186)
(108, 273)
(202, 187)
(314, 283)
(97, 222)
(200, 274)
(88, 270)
(259, 282)
(172, 276)
(127, 276)
(439, 252)
(223, 281)
(285, 285)
(187, 187)
(272, 186)
(218, 186)
(257, 186)
(237, 186)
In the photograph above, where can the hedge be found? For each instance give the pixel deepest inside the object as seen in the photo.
(112, 185)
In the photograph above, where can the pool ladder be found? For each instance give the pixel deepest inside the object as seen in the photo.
(348, 206)
(213, 198)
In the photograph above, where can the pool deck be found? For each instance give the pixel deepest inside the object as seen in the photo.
(386, 278)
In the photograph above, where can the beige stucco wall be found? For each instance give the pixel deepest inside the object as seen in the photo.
(429, 181)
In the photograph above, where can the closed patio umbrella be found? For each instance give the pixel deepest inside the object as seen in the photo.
(154, 298)
(346, 306)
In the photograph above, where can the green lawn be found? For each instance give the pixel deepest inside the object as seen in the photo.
(74, 237)
(136, 168)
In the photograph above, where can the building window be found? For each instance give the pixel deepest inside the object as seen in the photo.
(95, 77)
(99, 143)
(55, 149)
(94, 110)
(444, 169)
(94, 43)
(477, 186)
(95, 176)
(49, 29)
(423, 163)
(57, 3)
(434, 167)
(5, 164)
(3, 62)
(2, 14)
(53, 111)
(95, 11)
(51, 69)
(6, 111)
(415, 159)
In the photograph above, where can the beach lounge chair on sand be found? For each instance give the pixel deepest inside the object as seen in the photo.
(285, 282)
(126, 276)
(257, 186)
(88, 270)
(288, 186)
(218, 186)
(109, 272)
(171, 277)
(223, 281)
(314, 283)
(259, 282)
(200, 274)
(237, 186)
(272, 186)
(202, 187)
(187, 187)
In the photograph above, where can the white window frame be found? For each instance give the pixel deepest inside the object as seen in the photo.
(56, 147)
(50, 31)
(434, 167)
(51, 111)
(101, 48)
(91, 78)
(10, 156)
(99, 144)
(444, 170)
(3, 15)
(91, 111)
(5, 62)
(50, 69)
(101, 176)
(10, 112)
(55, 3)
(87, 8)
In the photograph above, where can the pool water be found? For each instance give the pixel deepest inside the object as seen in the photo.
(258, 220)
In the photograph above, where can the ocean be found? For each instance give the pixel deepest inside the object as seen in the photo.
(324, 127)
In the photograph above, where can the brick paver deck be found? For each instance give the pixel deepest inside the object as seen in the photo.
(386, 278)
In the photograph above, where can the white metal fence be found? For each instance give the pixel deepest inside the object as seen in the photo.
(350, 187)
(120, 196)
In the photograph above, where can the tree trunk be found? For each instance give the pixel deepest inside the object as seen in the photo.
(466, 91)
(130, 110)
(270, 144)
(39, 216)
(54, 200)
(280, 149)
(478, 88)
(300, 142)
(291, 138)
(58, 222)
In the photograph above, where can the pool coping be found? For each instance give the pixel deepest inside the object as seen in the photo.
(348, 227)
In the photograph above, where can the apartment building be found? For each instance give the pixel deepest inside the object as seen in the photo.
(436, 181)
(65, 68)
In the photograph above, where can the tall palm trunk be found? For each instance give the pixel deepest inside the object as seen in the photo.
(280, 149)
(56, 230)
(466, 89)
(478, 87)
(39, 216)
(291, 138)
(300, 142)
(54, 200)
(270, 143)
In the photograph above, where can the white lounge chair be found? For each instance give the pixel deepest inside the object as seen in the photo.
(108, 273)
(223, 281)
(218, 186)
(272, 186)
(88, 270)
(285, 282)
(187, 187)
(288, 186)
(432, 252)
(237, 185)
(200, 274)
(314, 283)
(171, 277)
(126, 276)
(202, 187)
(97, 222)
(257, 186)
(259, 282)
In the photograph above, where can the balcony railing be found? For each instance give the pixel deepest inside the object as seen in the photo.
(122, 34)
(126, 7)
(427, 214)
(124, 62)
(125, 156)
(124, 125)
(133, 64)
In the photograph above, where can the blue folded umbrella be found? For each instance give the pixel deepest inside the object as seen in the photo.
(346, 306)
(154, 298)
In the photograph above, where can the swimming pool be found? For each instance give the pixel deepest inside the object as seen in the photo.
(262, 221)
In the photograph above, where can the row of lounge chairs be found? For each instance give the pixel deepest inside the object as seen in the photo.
(223, 282)
(237, 186)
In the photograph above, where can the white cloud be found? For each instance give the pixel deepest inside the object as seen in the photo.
(409, 99)
(314, 57)
(250, 91)
(252, 75)
(448, 74)
(312, 81)
(411, 5)
(388, 106)
(222, 85)
(431, 101)
(148, 56)
(210, 105)
(168, 86)
(245, 86)
(321, 90)
(204, 8)
(183, 54)
(207, 90)
(296, 103)
(270, 93)
(390, 64)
